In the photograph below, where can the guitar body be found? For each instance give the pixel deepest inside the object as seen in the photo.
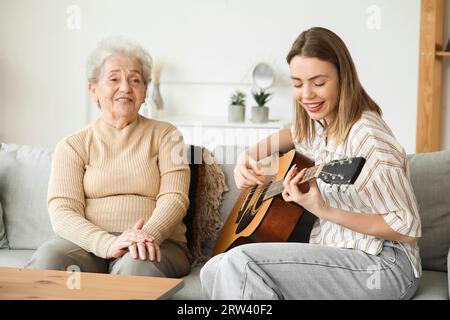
(272, 220)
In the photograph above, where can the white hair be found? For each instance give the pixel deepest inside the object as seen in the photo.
(118, 45)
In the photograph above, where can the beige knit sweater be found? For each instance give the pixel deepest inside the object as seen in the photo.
(104, 179)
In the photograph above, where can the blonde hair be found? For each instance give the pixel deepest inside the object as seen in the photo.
(118, 45)
(325, 45)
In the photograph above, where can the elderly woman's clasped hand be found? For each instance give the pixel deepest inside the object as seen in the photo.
(137, 242)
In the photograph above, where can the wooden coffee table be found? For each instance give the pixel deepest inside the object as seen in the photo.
(49, 284)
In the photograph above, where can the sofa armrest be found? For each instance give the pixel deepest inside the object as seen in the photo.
(448, 271)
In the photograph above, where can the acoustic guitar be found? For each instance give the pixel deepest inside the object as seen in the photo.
(261, 215)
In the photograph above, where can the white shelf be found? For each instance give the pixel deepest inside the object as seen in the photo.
(221, 122)
(215, 131)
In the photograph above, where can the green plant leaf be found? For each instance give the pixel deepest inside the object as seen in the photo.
(238, 98)
(261, 97)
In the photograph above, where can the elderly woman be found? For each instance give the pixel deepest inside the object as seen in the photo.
(117, 193)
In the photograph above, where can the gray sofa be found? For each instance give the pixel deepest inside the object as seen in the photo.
(24, 173)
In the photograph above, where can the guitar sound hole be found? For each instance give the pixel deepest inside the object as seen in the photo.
(260, 199)
(246, 219)
(245, 204)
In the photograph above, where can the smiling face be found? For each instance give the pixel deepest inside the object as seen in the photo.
(120, 90)
(315, 86)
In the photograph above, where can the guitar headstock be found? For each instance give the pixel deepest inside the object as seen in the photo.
(342, 172)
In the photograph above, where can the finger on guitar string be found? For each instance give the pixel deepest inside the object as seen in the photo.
(293, 184)
(285, 196)
(241, 181)
(295, 194)
(254, 166)
(293, 171)
(288, 177)
(296, 179)
(250, 177)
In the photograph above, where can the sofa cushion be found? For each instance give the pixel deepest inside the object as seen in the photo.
(24, 174)
(15, 258)
(227, 156)
(430, 174)
(432, 286)
(192, 286)
(3, 239)
(193, 153)
(206, 188)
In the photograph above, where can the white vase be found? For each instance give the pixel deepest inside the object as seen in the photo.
(260, 114)
(156, 97)
(236, 113)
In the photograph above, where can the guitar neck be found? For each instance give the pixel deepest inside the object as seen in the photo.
(277, 187)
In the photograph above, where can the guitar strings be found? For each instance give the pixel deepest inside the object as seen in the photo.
(277, 186)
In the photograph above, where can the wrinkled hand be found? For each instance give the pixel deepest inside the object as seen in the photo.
(136, 241)
(246, 171)
(144, 250)
(311, 200)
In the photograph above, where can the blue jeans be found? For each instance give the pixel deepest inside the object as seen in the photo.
(308, 271)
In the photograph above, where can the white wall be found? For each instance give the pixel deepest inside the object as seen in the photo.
(208, 48)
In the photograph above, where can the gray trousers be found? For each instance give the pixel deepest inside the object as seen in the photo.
(60, 254)
(307, 271)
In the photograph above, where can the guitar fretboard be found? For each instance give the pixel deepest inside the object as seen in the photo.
(277, 187)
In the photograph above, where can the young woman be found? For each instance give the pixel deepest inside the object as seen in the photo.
(364, 243)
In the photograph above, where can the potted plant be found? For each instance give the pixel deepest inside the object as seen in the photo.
(236, 109)
(260, 113)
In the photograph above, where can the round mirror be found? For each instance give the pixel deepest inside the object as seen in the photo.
(263, 75)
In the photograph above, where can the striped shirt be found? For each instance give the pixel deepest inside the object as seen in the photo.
(383, 187)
